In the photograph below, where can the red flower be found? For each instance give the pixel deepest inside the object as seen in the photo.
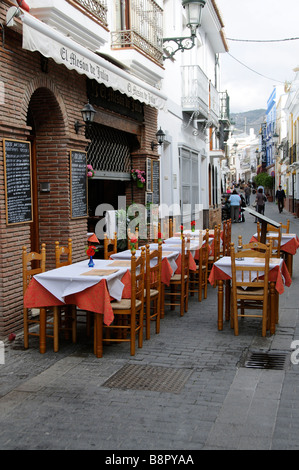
(91, 251)
(192, 223)
(160, 235)
(182, 227)
(133, 240)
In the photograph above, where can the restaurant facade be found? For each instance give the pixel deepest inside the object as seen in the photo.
(48, 73)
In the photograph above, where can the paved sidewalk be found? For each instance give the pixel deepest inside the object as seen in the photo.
(201, 395)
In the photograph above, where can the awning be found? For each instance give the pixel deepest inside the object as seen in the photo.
(38, 36)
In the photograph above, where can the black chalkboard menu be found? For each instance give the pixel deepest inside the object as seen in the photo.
(18, 182)
(156, 181)
(78, 184)
(149, 174)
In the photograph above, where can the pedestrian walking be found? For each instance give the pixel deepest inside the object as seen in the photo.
(235, 203)
(260, 201)
(280, 197)
(247, 194)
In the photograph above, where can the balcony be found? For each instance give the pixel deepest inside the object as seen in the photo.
(195, 90)
(140, 27)
(85, 21)
(214, 105)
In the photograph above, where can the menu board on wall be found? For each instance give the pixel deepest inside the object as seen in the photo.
(18, 182)
(149, 174)
(78, 184)
(156, 181)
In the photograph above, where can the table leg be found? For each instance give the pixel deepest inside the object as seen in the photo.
(42, 331)
(220, 305)
(98, 336)
(289, 263)
(56, 328)
(272, 308)
(227, 300)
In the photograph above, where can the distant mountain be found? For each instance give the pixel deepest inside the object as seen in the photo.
(249, 119)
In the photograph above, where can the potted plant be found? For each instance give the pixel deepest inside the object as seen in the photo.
(139, 177)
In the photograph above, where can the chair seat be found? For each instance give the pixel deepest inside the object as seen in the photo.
(177, 277)
(124, 304)
(153, 292)
(250, 291)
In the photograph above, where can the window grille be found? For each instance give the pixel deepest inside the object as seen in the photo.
(95, 8)
(109, 149)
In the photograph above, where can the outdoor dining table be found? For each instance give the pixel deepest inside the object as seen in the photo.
(289, 246)
(90, 289)
(278, 277)
(194, 245)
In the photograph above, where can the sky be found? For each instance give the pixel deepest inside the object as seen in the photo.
(258, 20)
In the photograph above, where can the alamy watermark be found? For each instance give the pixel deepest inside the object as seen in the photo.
(145, 217)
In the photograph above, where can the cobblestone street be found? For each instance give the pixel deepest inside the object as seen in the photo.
(61, 400)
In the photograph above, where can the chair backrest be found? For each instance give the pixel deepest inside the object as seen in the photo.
(64, 252)
(33, 263)
(217, 233)
(153, 273)
(286, 227)
(137, 277)
(226, 237)
(110, 245)
(204, 250)
(276, 239)
(256, 275)
(185, 256)
(157, 230)
(170, 228)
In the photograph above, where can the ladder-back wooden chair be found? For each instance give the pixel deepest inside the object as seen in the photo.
(178, 291)
(250, 289)
(216, 250)
(110, 245)
(276, 240)
(130, 311)
(153, 288)
(285, 228)
(63, 254)
(198, 282)
(67, 314)
(35, 263)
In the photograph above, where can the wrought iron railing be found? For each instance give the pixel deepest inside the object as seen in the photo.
(97, 9)
(143, 31)
(195, 89)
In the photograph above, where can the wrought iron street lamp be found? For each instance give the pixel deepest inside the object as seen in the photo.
(193, 12)
(160, 135)
(88, 113)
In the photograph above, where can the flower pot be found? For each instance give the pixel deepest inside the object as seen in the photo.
(140, 184)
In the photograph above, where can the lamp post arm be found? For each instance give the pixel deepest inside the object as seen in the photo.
(183, 43)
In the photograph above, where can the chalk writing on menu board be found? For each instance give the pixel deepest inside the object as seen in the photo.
(18, 184)
(78, 184)
(149, 174)
(156, 182)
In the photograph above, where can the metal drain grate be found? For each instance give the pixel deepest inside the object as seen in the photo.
(266, 360)
(153, 378)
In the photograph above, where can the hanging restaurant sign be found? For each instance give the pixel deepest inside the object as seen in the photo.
(37, 36)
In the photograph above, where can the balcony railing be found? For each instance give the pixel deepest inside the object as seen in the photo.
(95, 9)
(214, 104)
(195, 90)
(224, 106)
(144, 30)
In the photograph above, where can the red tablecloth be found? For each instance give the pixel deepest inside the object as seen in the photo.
(94, 299)
(275, 275)
(290, 247)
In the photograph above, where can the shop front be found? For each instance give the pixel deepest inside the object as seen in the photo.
(46, 79)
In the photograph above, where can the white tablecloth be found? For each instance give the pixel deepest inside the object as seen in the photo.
(69, 279)
(225, 265)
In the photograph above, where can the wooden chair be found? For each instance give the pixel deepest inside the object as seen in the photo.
(216, 254)
(130, 311)
(286, 227)
(198, 281)
(68, 314)
(153, 288)
(179, 284)
(170, 228)
(276, 240)
(110, 245)
(35, 263)
(225, 250)
(250, 289)
(63, 254)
